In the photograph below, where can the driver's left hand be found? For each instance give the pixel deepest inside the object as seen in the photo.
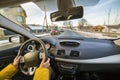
(16, 61)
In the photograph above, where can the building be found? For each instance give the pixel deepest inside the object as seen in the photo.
(16, 14)
(35, 28)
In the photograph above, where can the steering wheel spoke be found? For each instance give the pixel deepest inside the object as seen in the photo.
(31, 70)
(22, 60)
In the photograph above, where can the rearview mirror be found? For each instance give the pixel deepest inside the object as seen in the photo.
(71, 13)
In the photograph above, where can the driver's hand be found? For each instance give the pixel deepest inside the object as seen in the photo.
(16, 61)
(45, 64)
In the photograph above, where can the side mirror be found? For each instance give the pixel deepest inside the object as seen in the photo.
(16, 39)
(71, 13)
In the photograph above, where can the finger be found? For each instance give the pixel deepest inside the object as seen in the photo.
(47, 63)
(48, 60)
(18, 58)
(18, 54)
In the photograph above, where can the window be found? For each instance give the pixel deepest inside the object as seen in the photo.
(19, 18)
(4, 37)
(19, 9)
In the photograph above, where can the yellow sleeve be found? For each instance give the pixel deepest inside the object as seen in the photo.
(41, 74)
(8, 72)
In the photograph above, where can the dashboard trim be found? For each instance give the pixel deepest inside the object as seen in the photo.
(114, 59)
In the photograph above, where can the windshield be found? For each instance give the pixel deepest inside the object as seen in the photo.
(101, 20)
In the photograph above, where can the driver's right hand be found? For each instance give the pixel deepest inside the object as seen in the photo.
(44, 63)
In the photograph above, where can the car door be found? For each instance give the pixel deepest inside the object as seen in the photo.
(8, 50)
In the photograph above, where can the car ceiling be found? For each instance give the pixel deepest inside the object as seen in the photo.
(50, 4)
(54, 5)
(10, 3)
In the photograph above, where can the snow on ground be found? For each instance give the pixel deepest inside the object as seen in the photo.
(117, 42)
(100, 36)
(96, 35)
(3, 41)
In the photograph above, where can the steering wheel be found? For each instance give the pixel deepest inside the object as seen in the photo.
(32, 52)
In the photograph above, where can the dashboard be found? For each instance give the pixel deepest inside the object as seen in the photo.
(83, 54)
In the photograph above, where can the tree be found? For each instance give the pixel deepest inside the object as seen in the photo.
(68, 24)
(109, 14)
(82, 23)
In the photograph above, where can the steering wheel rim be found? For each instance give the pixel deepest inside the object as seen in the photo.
(26, 69)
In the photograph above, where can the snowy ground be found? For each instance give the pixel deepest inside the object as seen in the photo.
(100, 36)
(97, 35)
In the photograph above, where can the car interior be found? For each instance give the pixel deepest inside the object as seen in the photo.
(75, 54)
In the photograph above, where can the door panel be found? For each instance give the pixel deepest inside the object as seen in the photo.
(7, 55)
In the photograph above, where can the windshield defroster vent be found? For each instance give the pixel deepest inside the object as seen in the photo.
(70, 43)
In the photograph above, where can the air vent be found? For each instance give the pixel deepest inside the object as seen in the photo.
(61, 53)
(74, 53)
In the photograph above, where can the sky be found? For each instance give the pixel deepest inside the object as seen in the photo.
(95, 15)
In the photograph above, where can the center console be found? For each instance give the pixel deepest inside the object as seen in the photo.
(68, 70)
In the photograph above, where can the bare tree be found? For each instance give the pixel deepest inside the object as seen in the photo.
(68, 24)
(117, 18)
(82, 23)
(109, 14)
